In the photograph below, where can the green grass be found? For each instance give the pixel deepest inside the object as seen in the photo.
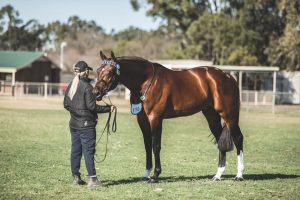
(35, 148)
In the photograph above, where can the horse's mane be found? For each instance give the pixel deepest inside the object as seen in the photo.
(135, 58)
(139, 59)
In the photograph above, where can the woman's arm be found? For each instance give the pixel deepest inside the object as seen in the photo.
(90, 101)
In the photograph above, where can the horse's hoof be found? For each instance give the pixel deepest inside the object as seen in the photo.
(216, 178)
(152, 180)
(239, 178)
(145, 179)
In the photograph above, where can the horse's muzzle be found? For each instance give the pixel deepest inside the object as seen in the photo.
(97, 94)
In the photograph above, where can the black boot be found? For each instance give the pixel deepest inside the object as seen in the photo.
(77, 180)
(94, 183)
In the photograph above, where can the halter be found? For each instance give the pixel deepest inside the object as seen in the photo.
(117, 66)
(111, 62)
(115, 79)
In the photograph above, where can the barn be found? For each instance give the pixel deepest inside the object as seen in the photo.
(24, 66)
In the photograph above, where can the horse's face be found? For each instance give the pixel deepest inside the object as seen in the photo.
(107, 76)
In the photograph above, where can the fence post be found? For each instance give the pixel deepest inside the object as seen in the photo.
(247, 100)
(241, 84)
(13, 82)
(127, 94)
(22, 89)
(50, 89)
(45, 90)
(274, 91)
(255, 98)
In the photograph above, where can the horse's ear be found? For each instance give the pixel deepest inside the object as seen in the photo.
(103, 57)
(112, 55)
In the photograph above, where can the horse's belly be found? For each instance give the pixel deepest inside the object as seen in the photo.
(172, 113)
(178, 114)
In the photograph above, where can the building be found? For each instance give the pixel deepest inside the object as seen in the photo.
(24, 66)
(288, 87)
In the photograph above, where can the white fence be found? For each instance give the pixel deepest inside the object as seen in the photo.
(248, 97)
(33, 89)
(257, 97)
(45, 90)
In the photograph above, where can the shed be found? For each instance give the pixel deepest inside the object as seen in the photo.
(24, 66)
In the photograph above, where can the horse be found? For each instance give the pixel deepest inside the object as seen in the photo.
(158, 93)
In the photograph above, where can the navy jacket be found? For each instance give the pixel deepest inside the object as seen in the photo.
(83, 108)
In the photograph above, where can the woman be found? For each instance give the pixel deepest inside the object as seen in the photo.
(81, 104)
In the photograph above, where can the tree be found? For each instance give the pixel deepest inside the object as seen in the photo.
(178, 14)
(241, 56)
(131, 33)
(219, 29)
(134, 41)
(213, 37)
(262, 19)
(15, 35)
(284, 51)
(70, 30)
(9, 19)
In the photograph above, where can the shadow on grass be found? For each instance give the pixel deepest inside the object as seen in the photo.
(166, 179)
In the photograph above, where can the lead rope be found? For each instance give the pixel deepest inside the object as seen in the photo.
(107, 128)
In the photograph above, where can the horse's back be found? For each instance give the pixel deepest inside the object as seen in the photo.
(194, 89)
(187, 91)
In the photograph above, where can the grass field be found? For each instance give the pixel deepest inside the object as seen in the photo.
(35, 148)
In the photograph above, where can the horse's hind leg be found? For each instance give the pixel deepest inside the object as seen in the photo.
(238, 138)
(214, 122)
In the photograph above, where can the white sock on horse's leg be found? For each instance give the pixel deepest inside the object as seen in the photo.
(240, 165)
(219, 173)
(147, 173)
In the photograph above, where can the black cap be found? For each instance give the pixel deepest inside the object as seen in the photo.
(81, 66)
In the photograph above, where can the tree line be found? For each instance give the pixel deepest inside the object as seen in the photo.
(227, 32)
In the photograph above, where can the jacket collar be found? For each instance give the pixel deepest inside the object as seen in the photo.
(85, 79)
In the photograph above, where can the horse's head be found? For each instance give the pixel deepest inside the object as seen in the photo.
(107, 76)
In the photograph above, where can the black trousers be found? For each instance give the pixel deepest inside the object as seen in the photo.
(83, 141)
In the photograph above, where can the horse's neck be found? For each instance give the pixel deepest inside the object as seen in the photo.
(134, 74)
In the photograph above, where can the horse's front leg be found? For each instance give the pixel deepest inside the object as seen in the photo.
(146, 130)
(156, 129)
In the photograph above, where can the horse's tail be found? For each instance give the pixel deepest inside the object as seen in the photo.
(225, 142)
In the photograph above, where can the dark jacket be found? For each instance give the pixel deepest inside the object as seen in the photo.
(83, 108)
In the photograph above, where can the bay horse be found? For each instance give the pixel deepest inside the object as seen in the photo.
(158, 93)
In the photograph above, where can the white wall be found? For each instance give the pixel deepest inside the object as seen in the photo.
(288, 87)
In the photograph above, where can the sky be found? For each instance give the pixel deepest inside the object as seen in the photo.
(109, 14)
